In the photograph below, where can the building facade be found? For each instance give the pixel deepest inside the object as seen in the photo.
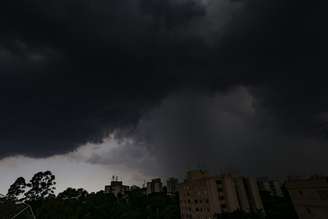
(310, 197)
(172, 185)
(155, 186)
(272, 186)
(116, 188)
(203, 196)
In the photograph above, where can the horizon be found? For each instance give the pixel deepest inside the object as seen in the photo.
(140, 184)
(144, 88)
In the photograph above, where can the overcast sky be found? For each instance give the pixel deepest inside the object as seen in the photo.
(145, 88)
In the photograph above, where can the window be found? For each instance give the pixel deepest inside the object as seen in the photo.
(196, 201)
(221, 197)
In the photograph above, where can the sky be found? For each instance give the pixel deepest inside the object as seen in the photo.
(153, 88)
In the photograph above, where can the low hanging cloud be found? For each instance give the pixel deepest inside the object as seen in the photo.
(228, 131)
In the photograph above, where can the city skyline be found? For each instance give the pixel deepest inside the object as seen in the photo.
(142, 182)
(146, 88)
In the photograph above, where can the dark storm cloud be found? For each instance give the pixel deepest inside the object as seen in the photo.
(229, 131)
(73, 71)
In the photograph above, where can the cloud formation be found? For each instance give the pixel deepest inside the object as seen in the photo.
(228, 131)
(72, 72)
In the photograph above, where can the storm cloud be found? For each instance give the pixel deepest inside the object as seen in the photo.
(73, 72)
(226, 131)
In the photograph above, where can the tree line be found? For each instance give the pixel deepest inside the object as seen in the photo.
(41, 186)
(77, 203)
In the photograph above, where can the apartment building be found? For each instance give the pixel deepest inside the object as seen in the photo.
(116, 187)
(310, 197)
(203, 196)
(272, 186)
(155, 186)
(172, 185)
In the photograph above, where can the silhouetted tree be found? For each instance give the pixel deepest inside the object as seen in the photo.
(71, 193)
(78, 204)
(42, 186)
(17, 189)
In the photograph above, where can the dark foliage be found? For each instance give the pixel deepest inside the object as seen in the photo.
(42, 186)
(278, 207)
(17, 189)
(71, 193)
(8, 209)
(103, 205)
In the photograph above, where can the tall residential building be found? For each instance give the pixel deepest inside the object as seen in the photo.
(172, 185)
(272, 186)
(203, 196)
(155, 186)
(310, 197)
(116, 187)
